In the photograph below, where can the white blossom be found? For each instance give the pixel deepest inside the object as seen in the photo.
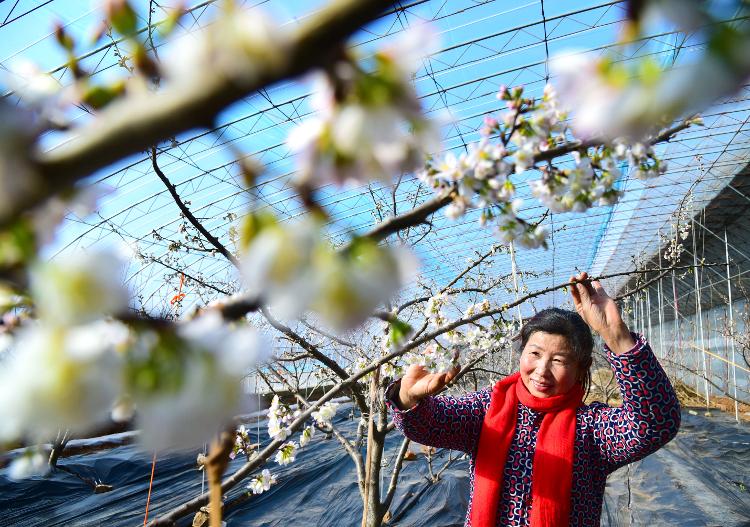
(40, 91)
(582, 87)
(60, 378)
(306, 436)
(295, 269)
(279, 415)
(286, 454)
(216, 358)
(232, 46)
(433, 358)
(262, 483)
(278, 265)
(79, 287)
(325, 413)
(366, 137)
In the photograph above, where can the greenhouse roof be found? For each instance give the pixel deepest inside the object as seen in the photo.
(483, 45)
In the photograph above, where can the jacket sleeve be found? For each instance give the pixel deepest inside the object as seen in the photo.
(442, 421)
(650, 414)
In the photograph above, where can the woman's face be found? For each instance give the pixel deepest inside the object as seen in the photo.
(547, 365)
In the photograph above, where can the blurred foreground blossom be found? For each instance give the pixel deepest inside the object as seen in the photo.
(79, 288)
(617, 99)
(39, 91)
(57, 378)
(294, 268)
(369, 123)
(187, 385)
(233, 46)
(75, 367)
(31, 463)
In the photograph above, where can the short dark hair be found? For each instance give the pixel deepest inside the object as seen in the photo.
(570, 325)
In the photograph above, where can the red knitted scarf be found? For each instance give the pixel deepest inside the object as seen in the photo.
(552, 472)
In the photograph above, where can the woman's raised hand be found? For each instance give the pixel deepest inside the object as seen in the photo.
(600, 312)
(418, 383)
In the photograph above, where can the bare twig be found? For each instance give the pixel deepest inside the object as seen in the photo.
(663, 273)
(189, 215)
(348, 445)
(409, 219)
(327, 335)
(399, 462)
(321, 357)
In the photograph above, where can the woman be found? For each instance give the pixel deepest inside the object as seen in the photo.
(539, 456)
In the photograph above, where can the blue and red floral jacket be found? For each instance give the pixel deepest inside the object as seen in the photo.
(606, 438)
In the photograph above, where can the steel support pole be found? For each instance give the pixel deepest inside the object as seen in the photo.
(677, 336)
(648, 302)
(731, 327)
(660, 298)
(699, 312)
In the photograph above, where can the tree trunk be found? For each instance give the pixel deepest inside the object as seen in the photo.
(374, 511)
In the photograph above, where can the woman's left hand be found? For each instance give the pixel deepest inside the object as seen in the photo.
(601, 313)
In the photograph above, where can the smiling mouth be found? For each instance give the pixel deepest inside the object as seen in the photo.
(541, 386)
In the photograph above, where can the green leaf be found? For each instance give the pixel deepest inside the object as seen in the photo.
(100, 96)
(123, 18)
(17, 244)
(398, 331)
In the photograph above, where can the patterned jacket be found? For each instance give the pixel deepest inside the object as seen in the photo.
(606, 438)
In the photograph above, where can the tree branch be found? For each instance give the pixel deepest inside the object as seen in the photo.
(395, 473)
(136, 123)
(348, 446)
(663, 273)
(483, 290)
(189, 276)
(421, 213)
(313, 350)
(189, 215)
(408, 219)
(327, 335)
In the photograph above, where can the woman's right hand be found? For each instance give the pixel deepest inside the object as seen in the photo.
(418, 383)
